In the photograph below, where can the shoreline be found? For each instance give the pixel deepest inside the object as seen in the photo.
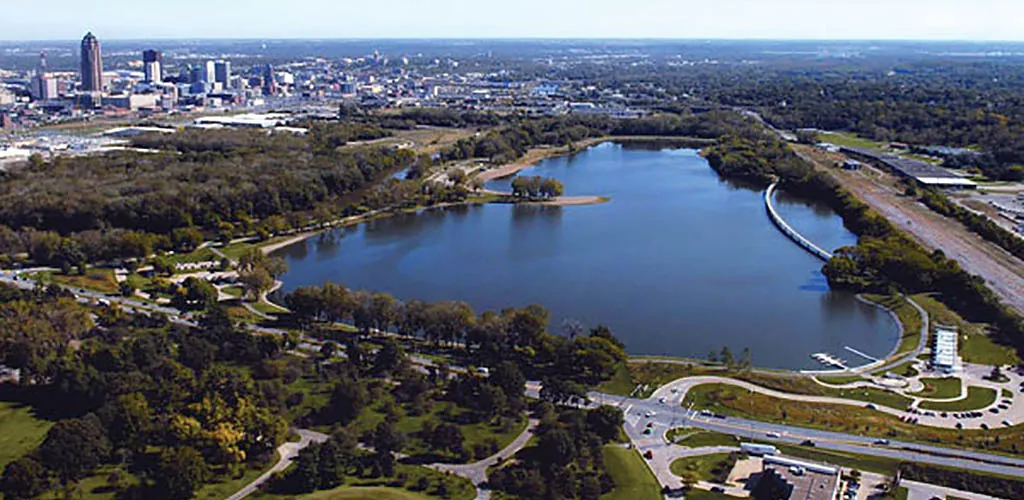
(536, 155)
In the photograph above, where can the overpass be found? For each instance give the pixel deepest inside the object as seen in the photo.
(789, 231)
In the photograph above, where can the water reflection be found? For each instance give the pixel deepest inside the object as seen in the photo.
(679, 264)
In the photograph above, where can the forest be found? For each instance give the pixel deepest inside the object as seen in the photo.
(163, 410)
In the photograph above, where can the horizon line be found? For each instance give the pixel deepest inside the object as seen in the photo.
(521, 39)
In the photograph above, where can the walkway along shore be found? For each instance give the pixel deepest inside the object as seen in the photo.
(788, 230)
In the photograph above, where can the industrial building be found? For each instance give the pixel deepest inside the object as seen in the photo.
(923, 172)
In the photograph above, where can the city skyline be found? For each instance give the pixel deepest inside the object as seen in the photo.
(984, 20)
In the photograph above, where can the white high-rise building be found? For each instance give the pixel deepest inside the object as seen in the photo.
(152, 62)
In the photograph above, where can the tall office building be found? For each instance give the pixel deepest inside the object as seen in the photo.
(222, 72)
(269, 83)
(152, 64)
(43, 87)
(210, 72)
(92, 64)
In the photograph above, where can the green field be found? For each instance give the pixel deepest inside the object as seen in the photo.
(977, 398)
(975, 345)
(904, 369)
(940, 388)
(850, 139)
(378, 493)
(20, 432)
(713, 468)
(96, 279)
(692, 438)
(633, 479)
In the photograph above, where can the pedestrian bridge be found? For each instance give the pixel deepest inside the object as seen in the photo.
(789, 231)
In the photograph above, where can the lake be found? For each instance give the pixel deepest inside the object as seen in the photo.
(679, 262)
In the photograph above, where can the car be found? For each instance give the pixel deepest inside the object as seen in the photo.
(883, 442)
(1007, 423)
(984, 426)
(994, 411)
(650, 424)
(717, 489)
(705, 413)
(647, 431)
(651, 414)
(808, 443)
(959, 425)
(662, 400)
(871, 406)
(649, 455)
(774, 435)
(945, 415)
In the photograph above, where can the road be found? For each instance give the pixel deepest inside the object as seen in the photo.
(671, 414)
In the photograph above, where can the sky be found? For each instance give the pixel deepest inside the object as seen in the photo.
(743, 19)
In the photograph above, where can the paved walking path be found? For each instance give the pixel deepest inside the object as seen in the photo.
(477, 471)
(288, 452)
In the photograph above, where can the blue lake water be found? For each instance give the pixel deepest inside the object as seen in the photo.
(679, 262)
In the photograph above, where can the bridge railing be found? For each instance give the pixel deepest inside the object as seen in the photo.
(786, 229)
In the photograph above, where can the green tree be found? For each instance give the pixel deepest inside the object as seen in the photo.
(183, 470)
(22, 479)
(74, 447)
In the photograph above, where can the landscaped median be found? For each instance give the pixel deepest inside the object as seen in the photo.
(735, 401)
(940, 388)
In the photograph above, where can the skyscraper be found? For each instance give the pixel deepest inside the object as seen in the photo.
(152, 62)
(269, 84)
(210, 72)
(43, 87)
(92, 64)
(222, 73)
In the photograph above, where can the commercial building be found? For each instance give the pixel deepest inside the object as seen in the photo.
(945, 358)
(210, 72)
(269, 83)
(92, 64)
(152, 65)
(788, 479)
(222, 73)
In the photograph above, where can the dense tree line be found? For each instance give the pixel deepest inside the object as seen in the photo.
(536, 187)
(996, 486)
(215, 183)
(167, 403)
(517, 335)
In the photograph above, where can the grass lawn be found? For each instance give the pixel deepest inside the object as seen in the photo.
(905, 369)
(849, 139)
(900, 493)
(20, 431)
(975, 345)
(652, 375)
(977, 398)
(233, 291)
(219, 491)
(96, 279)
(202, 255)
(94, 487)
(713, 468)
(374, 493)
(633, 479)
(692, 438)
(940, 388)
(360, 488)
(730, 400)
(840, 379)
(695, 494)
(268, 308)
(909, 318)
